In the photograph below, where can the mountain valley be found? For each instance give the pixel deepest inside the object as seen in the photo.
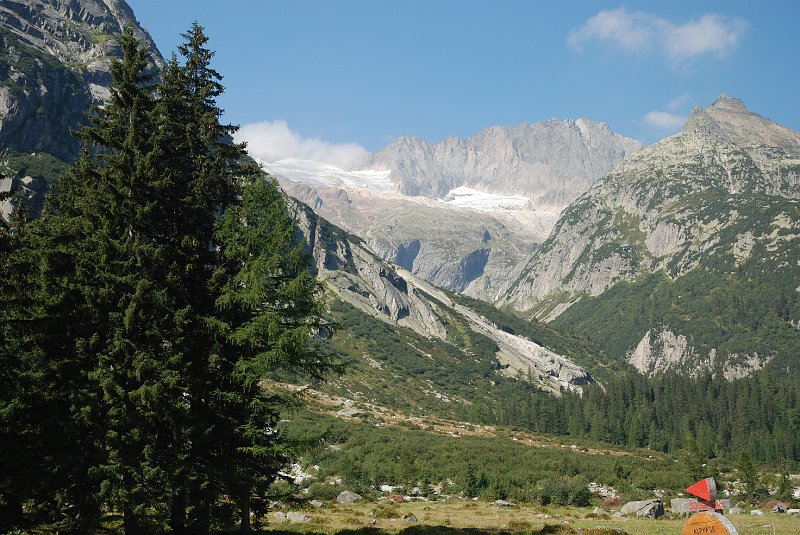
(549, 313)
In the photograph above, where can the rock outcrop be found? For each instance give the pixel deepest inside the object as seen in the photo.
(55, 58)
(55, 63)
(645, 508)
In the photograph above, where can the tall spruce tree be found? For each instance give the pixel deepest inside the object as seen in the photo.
(21, 469)
(165, 281)
(269, 308)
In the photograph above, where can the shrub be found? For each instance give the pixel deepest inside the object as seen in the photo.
(386, 510)
(519, 525)
(564, 492)
(324, 491)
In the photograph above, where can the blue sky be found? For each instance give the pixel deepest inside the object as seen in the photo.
(325, 78)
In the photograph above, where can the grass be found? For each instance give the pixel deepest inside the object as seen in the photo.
(462, 517)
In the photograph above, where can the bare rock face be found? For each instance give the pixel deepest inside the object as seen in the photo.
(552, 162)
(54, 63)
(659, 352)
(462, 250)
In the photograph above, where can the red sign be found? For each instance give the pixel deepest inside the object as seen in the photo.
(705, 489)
(694, 505)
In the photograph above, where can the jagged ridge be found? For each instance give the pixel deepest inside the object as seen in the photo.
(552, 162)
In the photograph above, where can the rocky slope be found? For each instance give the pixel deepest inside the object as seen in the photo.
(460, 249)
(54, 64)
(550, 162)
(712, 208)
(397, 297)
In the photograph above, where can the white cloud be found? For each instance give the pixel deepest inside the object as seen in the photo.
(710, 34)
(679, 102)
(638, 31)
(271, 141)
(629, 31)
(664, 120)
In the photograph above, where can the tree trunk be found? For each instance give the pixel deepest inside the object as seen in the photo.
(10, 513)
(177, 516)
(199, 510)
(244, 526)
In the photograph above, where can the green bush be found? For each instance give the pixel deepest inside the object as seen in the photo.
(562, 491)
(324, 491)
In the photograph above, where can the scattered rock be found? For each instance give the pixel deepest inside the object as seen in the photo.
(351, 412)
(735, 511)
(599, 511)
(279, 516)
(793, 512)
(756, 512)
(409, 518)
(348, 497)
(297, 517)
(644, 508)
(396, 498)
(779, 508)
(317, 504)
(543, 516)
(504, 503)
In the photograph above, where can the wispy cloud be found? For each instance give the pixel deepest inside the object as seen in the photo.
(629, 31)
(663, 120)
(679, 102)
(638, 32)
(271, 141)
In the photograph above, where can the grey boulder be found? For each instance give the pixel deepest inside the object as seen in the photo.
(644, 508)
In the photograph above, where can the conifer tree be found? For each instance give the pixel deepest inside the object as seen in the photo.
(163, 283)
(269, 307)
(102, 230)
(20, 467)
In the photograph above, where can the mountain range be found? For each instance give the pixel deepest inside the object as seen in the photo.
(678, 256)
(462, 214)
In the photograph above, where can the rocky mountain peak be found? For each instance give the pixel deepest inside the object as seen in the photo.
(727, 102)
(713, 204)
(728, 120)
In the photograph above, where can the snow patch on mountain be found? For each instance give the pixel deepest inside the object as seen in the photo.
(322, 174)
(465, 197)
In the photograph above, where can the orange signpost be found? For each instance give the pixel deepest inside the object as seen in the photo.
(708, 523)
